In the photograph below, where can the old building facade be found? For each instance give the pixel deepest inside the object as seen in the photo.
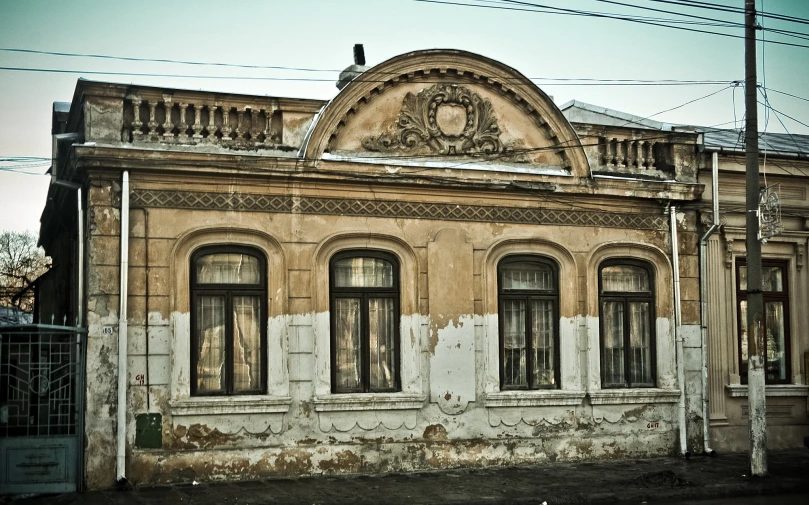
(437, 268)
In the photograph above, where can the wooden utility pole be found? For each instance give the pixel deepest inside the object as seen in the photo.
(756, 396)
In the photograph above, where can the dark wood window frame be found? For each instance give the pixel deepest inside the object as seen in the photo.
(626, 297)
(364, 294)
(228, 291)
(528, 296)
(768, 296)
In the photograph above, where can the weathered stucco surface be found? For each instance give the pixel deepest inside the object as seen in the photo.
(448, 224)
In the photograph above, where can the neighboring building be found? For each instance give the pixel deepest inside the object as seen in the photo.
(437, 268)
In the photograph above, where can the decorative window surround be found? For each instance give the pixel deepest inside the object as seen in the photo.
(229, 405)
(645, 395)
(369, 401)
(537, 398)
(740, 390)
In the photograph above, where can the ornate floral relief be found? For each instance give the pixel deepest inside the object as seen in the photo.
(445, 119)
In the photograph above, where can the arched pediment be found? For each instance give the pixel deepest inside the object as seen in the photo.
(439, 106)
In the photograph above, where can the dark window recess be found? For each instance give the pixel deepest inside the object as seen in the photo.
(364, 299)
(528, 310)
(228, 321)
(775, 292)
(626, 321)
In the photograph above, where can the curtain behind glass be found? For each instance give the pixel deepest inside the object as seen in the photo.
(772, 279)
(776, 350)
(613, 320)
(210, 344)
(527, 275)
(228, 268)
(363, 273)
(640, 344)
(347, 344)
(514, 345)
(246, 343)
(542, 335)
(624, 278)
(381, 329)
(743, 326)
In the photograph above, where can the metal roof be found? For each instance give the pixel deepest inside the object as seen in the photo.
(775, 143)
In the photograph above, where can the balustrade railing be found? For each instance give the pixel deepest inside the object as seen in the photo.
(633, 154)
(149, 120)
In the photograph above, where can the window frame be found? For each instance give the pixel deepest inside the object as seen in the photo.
(626, 297)
(767, 296)
(229, 291)
(365, 293)
(527, 295)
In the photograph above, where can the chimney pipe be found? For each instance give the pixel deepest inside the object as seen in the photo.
(359, 54)
(351, 72)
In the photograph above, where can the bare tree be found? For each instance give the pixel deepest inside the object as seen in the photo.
(21, 263)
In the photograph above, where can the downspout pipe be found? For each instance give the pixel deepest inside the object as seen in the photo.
(120, 459)
(678, 336)
(80, 259)
(703, 302)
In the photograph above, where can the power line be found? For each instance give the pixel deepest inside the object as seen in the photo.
(787, 94)
(549, 81)
(770, 107)
(163, 60)
(724, 23)
(735, 10)
(574, 12)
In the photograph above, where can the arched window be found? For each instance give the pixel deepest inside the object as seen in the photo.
(364, 299)
(626, 299)
(528, 306)
(228, 321)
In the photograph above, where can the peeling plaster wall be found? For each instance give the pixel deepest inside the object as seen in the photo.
(102, 348)
(449, 345)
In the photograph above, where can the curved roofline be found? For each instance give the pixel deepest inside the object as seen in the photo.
(470, 68)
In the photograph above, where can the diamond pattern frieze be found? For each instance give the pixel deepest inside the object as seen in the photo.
(388, 208)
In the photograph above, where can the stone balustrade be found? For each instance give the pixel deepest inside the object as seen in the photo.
(161, 120)
(634, 154)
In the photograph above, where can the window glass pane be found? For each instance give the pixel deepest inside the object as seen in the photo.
(347, 343)
(210, 343)
(228, 268)
(771, 279)
(776, 350)
(363, 273)
(624, 278)
(383, 363)
(527, 275)
(640, 343)
(542, 334)
(743, 327)
(246, 343)
(514, 352)
(612, 314)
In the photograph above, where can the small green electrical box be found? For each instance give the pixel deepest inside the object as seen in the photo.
(149, 431)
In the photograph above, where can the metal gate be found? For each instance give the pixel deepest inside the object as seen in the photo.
(41, 408)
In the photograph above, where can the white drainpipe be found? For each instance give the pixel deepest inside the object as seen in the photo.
(703, 299)
(678, 336)
(80, 260)
(122, 331)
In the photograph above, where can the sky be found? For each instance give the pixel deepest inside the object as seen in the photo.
(319, 35)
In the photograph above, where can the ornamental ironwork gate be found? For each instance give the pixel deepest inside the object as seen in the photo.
(41, 408)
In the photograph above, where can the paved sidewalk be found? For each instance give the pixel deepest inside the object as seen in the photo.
(655, 480)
